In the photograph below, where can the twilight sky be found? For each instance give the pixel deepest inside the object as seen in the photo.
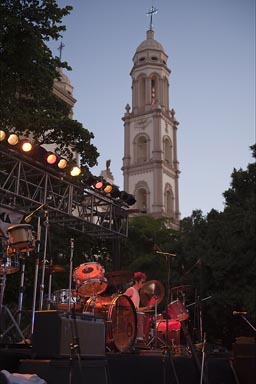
(211, 49)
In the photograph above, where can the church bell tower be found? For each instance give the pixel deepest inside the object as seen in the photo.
(150, 164)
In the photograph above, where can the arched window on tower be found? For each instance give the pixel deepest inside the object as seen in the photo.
(167, 144)
(169, 200)
(141, 93)
(142, 196)
(154, 90)
(141, 149)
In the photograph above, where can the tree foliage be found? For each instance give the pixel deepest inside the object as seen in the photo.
(27, 73)
(215, 256)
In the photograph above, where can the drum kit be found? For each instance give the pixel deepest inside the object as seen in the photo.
(125, 327)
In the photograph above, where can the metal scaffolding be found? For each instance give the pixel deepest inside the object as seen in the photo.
(25, 184)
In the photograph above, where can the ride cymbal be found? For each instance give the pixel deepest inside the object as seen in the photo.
(181, 288)
(151, 292)
(53, 268)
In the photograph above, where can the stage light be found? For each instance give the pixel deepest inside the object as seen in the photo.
(75, 171)
(13, 139)
(98, 185)
(127, 198)
(26, 146)
(62, 163)
(107, 188)
(115, 193)
(51, 158)
(2, 135)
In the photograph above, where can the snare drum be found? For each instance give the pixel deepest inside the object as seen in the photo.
(89, 279)
(21, 237)
(60, 300)
(177, 311)
(120, 318)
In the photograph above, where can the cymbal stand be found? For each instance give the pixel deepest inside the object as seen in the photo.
(167, 349)
(5, 308)
(22, 275)
(70, 272)
(46, 224)
(155, 338)
(38, 242)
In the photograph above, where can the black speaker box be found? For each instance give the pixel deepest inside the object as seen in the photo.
(55, 335)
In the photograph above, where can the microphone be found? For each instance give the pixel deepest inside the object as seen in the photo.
(235, 313)
(28, 218)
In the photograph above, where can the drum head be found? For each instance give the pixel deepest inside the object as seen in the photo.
(124, 323)
(92, 287)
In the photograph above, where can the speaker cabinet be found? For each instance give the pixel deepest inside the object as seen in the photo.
(55, 335)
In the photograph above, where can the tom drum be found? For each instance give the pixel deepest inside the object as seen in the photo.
(89, 279)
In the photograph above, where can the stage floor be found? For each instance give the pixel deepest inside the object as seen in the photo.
(137, 367)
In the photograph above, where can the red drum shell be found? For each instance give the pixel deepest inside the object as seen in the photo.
(120, 317)
(89, 279)
(173, 336)
(177, 311)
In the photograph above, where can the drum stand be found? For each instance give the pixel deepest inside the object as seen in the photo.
(155, 338)
(4, 308)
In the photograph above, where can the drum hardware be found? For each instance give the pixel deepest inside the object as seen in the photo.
(44, 261)
(167, 353)
(50, 268)
(4, 308)
(198, 313)
(151, 294)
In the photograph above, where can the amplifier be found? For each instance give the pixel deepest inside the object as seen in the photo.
(55, 334)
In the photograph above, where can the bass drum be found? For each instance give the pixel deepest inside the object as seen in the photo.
(120, 320)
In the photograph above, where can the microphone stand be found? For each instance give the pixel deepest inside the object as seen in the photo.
(70, 272)
(167, 351)
(46, 224)
(38, 242)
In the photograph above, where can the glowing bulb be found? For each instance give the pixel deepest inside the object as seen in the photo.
(51, 158)
(2, 135)
(75, 171)
(13, 139)
(62, 163)
(26, 146)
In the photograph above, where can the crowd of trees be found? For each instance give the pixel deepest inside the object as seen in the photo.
(215, 254)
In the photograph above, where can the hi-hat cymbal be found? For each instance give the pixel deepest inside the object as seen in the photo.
(151, 292)
(181, 288)
(118, 277)
(53, 268)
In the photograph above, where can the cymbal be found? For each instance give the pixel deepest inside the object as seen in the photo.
(118, 277)
(151, 292)
(181, 288)
(53, 268)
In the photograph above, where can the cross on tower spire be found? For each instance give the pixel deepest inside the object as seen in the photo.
(151, 12)
(60, 48)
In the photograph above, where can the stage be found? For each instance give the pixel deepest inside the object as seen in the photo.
(137, 367)
(90, 349)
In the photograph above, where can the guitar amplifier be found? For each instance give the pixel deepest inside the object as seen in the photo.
(57, 334)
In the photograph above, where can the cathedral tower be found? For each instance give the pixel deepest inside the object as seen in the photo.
(150, 164)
